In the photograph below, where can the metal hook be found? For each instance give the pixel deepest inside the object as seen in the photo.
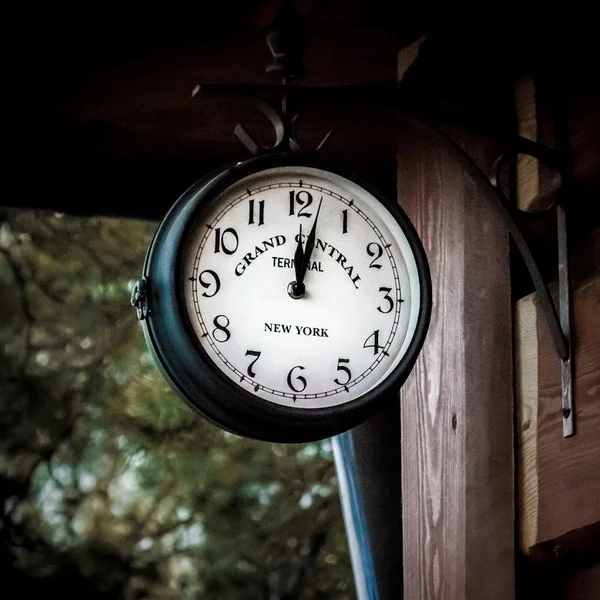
(285, 132)
(278, 125)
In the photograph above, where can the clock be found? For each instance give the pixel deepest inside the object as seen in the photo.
(283, 299)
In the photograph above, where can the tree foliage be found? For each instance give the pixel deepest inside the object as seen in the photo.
(111, 487)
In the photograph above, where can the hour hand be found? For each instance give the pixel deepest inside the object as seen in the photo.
(296, 288)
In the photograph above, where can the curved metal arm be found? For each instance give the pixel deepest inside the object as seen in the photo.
(500, 202)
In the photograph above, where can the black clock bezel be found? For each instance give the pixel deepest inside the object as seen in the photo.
(193, 374)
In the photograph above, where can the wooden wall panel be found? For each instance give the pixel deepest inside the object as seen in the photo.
(559, 481)
(456, 410)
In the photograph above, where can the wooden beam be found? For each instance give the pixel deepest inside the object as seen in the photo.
(162, 80)
(526, 365)
(582, 585)
(559, 478)
(540, 106)
(528, 177)
(562, 569)
(457, 408)
(407, 56)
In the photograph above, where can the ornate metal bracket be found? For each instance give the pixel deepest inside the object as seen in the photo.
(285, 132)
(560, 325)
(286, 42)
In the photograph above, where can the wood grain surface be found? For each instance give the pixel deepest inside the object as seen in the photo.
(569, 474)
(456, 412)
(527, 126)
(526, 388)
(559, 477)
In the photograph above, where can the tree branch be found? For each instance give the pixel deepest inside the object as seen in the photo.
(25, 305)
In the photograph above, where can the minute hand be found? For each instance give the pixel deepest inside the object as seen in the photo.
(310, 244)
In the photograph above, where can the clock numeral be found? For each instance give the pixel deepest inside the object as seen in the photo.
(226, 243)
(345, 221)
(299, 378)
(390, 301)
(224, 334)
(341, 367)
(250, 370)
(375, 345)
(261, 212)
(304, 199)
(375, 250)
(202, 279)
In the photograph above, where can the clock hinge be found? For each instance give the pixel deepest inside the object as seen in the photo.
(139, 298)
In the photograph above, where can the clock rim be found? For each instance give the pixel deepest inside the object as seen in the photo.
(191, 371)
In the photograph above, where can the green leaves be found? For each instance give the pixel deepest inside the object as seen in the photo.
(109, 481)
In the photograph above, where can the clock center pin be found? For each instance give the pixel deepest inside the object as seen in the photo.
(296, 290)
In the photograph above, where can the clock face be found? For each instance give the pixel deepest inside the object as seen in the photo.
(327, 341)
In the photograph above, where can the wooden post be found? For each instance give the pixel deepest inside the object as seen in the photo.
(457, 405)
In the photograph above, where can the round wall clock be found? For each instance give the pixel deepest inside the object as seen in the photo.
(284, 300)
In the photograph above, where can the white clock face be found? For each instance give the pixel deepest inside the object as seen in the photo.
(360, 305)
